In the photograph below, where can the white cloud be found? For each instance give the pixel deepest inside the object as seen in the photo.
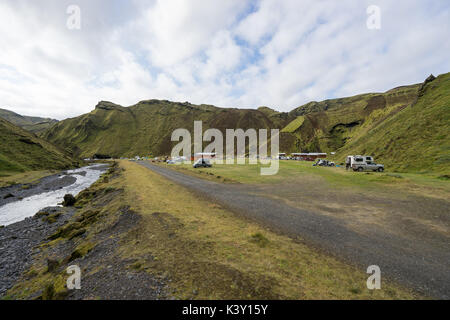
(175, 30)
(228, 53)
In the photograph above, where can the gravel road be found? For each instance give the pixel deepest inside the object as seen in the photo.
(424, 267)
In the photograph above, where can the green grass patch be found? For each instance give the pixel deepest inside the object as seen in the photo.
(294, 125)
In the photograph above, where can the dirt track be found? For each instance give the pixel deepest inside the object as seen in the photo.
(421, 265)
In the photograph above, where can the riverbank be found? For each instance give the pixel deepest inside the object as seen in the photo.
(49, 183)
(90, 239)
(20, 201)
(38, 182)
(27, 177)
(19, 242)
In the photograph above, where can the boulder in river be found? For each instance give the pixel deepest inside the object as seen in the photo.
(9, 195)
(69, 200)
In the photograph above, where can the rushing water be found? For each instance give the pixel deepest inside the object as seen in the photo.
(27, 207)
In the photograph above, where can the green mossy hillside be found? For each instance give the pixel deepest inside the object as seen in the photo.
(416, 138)
(32, 124)
(146, 128)
(22, 151)
(405, 128)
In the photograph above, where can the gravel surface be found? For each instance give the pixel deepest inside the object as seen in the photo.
(423, 266)
(115, 280)
(19, 241)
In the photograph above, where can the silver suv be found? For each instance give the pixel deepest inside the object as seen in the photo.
(369, 167)
(362, 163)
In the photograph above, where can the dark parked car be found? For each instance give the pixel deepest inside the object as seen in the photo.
(202, 163)
(324, 163)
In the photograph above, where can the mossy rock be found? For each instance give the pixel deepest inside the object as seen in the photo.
(109, 189)
(50, 293)
(52, 265)
(76, 233)
(41, 214)
(51, 219)
(259, 239)
(69, 231)
(81, 251)
(88, 217)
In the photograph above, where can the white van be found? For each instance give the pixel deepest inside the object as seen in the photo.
(362, 163)
(351, 160)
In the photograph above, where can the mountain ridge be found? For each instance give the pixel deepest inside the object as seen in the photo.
(29, 123)
(333, 125)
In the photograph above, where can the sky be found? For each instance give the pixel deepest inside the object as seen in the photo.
(59, 62)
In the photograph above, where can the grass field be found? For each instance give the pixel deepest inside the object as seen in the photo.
(210, 251)
(432, 185)
(404, 205)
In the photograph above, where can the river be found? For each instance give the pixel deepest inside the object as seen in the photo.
(19, 210)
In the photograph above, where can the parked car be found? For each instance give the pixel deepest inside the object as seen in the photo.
(324, 163)
(362, 163)
(369, 167)
(202, 163)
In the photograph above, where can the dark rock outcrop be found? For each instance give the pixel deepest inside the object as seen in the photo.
(427, 80)
(69, 200)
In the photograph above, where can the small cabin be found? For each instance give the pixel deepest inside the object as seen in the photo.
(203, 155)
(309, 156)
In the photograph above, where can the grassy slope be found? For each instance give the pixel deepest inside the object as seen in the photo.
(32, 124)
(414, 139)
(146, 127)
(294, 125)
(328, 125)
(22, 151)
(404, 131)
